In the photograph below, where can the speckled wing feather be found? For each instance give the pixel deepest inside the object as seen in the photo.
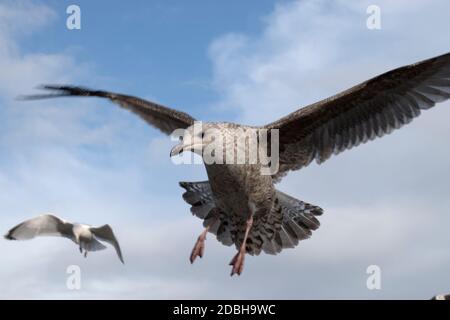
(369, 110)
(161, 117)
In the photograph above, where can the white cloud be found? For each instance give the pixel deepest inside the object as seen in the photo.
(312, 49)
(22, 71)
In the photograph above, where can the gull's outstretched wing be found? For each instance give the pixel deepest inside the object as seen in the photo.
(369, 110)
(161, 117)
(106, 234)
(44, 225)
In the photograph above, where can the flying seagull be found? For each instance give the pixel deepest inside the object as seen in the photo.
(239, 204)
(85, 236)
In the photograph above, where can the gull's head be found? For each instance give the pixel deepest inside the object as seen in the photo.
(195, 138)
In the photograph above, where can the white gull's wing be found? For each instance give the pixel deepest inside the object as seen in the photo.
(44, 225)
(106, 234)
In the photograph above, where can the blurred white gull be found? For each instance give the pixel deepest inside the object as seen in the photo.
(85, 236)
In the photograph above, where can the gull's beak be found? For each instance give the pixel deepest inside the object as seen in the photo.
(178, 149)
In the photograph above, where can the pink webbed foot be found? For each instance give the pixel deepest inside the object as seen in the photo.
(237, 263)
(199, 248)
(238, 260)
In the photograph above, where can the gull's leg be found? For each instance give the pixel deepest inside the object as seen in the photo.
(81, 250)
(85, 253)
(199, 246)
(238, 261)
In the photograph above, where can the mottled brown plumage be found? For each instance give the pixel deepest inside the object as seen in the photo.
(161, 117)
(241, 206)
(371, 109)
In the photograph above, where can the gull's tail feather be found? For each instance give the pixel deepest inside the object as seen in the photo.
(200, 197)
(290, 221)
(299, 219)
(93, 245)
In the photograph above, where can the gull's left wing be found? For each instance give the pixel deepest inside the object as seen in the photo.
(369, 110)
(159, 116)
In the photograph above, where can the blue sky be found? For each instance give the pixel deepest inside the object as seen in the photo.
(170, 39)
(386, 203)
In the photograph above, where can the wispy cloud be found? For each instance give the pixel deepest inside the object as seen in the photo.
(312, 49)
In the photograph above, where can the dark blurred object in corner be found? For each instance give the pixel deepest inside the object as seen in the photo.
(441, 297)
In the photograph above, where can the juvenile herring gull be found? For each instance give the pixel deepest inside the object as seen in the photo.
(85, 236)
(239, 204)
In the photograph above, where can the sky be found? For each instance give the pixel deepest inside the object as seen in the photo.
(386, 202)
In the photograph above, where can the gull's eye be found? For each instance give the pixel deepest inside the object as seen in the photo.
(202, 135)
(180, 138)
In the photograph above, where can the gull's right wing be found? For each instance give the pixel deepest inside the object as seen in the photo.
(161, 117)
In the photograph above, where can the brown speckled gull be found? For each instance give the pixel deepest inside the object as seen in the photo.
(241, 206)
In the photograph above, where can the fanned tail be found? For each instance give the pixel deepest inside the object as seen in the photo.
(93, 245)
(290, 221)
(200, 197)
(299, 219)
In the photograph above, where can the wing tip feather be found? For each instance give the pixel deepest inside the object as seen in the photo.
(8, 236)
